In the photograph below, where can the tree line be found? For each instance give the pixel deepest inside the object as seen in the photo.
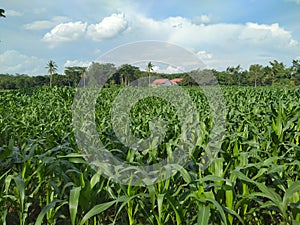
(276, 73)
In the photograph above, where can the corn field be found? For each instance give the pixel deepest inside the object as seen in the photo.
(254, 179)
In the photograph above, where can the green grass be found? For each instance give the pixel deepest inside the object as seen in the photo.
(253, 180)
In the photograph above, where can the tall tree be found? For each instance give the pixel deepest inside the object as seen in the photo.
(2, 11)
(52, 68)
(74, 74)
(99, 74)
(279, 73)
(267, 76)
(234, 75)
(295, 72)
(150, 68)
(255, 73)
(127, 74)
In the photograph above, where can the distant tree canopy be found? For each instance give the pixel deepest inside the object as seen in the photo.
(276, 73)
(74, 74)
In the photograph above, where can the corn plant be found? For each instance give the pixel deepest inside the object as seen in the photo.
(254, 179)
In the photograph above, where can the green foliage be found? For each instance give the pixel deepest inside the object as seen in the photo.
(74, 74)
(254, 179)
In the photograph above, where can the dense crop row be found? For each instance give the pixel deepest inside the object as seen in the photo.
(253, 180)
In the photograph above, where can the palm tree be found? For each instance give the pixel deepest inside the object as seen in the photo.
(150, 68)
(52, 68)
(2, 11)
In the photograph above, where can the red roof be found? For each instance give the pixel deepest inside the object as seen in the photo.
(160, 81)
(175, 80)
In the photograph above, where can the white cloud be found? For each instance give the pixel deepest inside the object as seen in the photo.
(12, 62)
(176, 22)
(162, 68)
(65, 32)
(108, 28)
(46, 24)
(203, 19)
(184, 32)
(70, 63)
(204, 55)
(155, 68)
(173, 69)
(10, 12)
(231, 44)
(262, 34)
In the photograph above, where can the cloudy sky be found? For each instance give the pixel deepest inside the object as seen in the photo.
(77, 32)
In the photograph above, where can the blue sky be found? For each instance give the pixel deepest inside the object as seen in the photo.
(75, 33)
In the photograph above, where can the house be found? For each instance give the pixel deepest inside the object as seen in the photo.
(165, 82)
(176, 80)
(162, 82)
